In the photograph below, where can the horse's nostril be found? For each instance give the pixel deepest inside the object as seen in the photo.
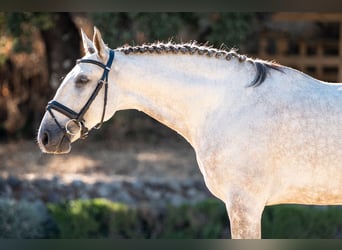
(45, 139)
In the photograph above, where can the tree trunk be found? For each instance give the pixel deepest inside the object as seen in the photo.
(62, 47)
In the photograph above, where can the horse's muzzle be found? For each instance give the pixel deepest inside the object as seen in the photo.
(53, 140)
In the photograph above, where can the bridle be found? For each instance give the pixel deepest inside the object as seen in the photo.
(77, 118)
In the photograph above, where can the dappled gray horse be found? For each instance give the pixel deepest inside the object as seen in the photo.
(263, 133)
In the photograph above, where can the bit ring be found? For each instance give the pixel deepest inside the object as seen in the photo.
(67, 125)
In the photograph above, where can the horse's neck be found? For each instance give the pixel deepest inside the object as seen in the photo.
(179, 91)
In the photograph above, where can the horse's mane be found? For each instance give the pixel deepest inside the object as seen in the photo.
(262, 67)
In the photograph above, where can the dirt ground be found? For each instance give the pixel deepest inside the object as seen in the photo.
(92, 161)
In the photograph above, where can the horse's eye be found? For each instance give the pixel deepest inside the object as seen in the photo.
(81, 80)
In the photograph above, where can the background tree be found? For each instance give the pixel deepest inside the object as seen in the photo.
(40, 49)
(215, 28)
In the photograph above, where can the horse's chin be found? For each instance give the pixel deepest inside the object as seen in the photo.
(64, 146)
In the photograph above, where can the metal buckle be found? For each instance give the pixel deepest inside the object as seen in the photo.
(67, 129)
(102, 81)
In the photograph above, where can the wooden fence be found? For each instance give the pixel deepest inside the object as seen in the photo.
(320, 57)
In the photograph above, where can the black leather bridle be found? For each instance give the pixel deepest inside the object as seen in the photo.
(75, 117)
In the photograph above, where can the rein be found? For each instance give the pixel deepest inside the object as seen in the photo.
(77, 118)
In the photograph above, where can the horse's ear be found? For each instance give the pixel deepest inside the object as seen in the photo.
(87, 43)
(100, 46)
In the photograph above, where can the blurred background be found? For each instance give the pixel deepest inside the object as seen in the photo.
(135, 178)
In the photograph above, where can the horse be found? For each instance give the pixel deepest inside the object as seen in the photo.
(263, 133)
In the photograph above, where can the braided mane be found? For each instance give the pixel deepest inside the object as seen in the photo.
(262, 67)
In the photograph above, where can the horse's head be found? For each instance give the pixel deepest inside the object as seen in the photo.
(81, 100)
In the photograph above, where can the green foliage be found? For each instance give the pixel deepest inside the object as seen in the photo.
(121, 28)
(158, 26)
(215, 28)
(21, 220)
(16, 21)
(87, 218)
(206, 220)
(104, 219)
(229, 28)
(115, 27)
(21, 24)
(302, 222)
(3, 55)
(100, 218)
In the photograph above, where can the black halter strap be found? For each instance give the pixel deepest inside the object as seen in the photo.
(78, 117)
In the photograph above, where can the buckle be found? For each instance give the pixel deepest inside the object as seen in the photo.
(102, 81)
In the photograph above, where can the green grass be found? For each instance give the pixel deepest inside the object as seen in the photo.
(97, 218)
(101, 218)
(302, 222)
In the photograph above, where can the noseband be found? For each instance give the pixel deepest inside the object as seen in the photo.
(75, 117)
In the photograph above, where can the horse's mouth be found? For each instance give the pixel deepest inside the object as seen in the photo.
(64, 146)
